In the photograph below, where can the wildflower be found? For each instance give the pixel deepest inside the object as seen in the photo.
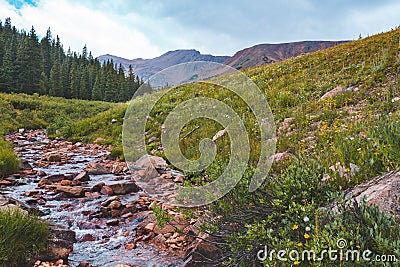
(296, 263)
(306, 219)
(306, 236)
(295, 227)
(308, 229)
(299, 244)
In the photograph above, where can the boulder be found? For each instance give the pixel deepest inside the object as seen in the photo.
(124, 188)
(82, 177)
(53, 157)
(107, 202)
(382, 191)
(61, 243)
(55, 178)
(70, 191)
(98, 186)
(154, 161)
(205, 253)
(96, 169)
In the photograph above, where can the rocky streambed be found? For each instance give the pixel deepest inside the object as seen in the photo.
(79, 188)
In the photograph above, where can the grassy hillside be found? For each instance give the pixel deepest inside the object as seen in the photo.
(356, 131)
(34, 112)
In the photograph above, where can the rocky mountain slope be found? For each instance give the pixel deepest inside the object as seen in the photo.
(247, 58)
(147, 67)
(268, 53)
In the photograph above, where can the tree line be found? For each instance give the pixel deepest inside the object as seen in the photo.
(29, 65)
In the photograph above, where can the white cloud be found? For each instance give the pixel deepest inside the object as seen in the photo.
(78, 25)
(375, 20)
(146, 29)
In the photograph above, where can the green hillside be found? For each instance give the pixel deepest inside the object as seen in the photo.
(357, 129)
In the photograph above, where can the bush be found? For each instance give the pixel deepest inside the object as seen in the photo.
(22, 237)
(8, 160)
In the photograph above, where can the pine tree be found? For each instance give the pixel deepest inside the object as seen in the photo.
(74, 85)
(46, 52)
(8, 69)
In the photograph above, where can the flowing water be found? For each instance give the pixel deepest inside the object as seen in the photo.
(99, 243)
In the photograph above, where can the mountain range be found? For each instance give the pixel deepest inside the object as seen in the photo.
(247, 58)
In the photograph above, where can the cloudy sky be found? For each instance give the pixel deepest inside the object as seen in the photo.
(148, 28)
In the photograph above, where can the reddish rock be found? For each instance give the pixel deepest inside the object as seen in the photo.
(166, 175)
(98, 186)
(107, 202)
(43, 182)
(84, 264)
(96, 169)
(82, 177)
(6, 183)
(130, 246)
(115, 213)
(66, 182)
(124, 188)
(86, 238)
(55, 178)
(31, 193)
(41, 173)
(113, 222)
(53, 157)
(69, 191)
(149, 227)
(106, 190)
(127, 215)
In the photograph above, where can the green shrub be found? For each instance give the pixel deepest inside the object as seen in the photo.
(117, 152)
(22, 237)
(8, 160)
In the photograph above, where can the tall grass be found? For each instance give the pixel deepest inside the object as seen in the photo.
(22, 237)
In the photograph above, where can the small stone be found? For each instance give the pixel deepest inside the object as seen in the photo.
(99, 140)
(86, 238)
(98, 186)
(149, 227)
(43, 182)
(112, 222)
(66, 182)
(106, 190)
(31, 193)
(160, 239)
(84, 264)
(114, 205)
(41, 173)
(130, 246)
(115, 213)
(178, 179)
(127, 215)
(107, 202)
(166, 175)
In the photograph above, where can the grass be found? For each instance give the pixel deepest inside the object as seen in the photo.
(8, 160)
(22, 237)
(336, 143)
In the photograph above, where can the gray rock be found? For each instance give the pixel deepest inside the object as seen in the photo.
(96, 169)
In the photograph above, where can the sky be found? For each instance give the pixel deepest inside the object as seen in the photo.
(149, 28)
